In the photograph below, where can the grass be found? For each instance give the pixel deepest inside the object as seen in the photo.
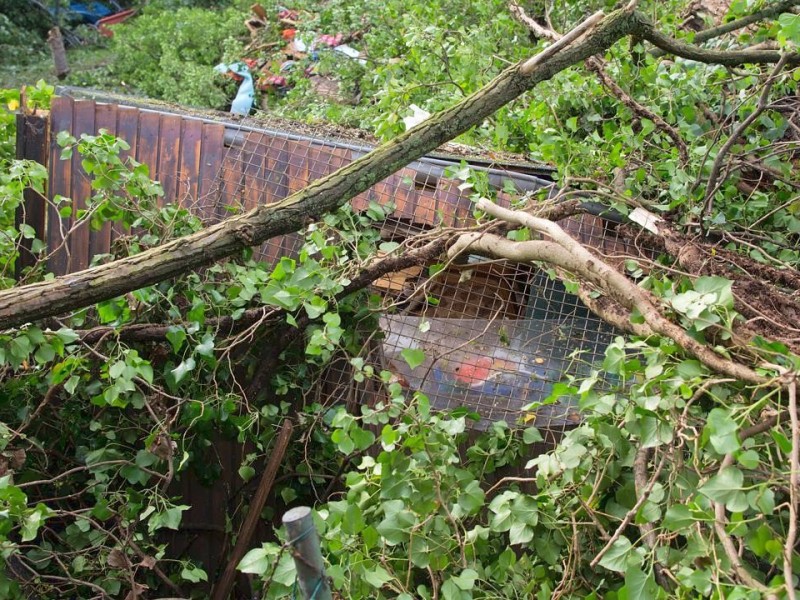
(88, 68)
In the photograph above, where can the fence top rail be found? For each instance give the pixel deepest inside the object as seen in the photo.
(356, 140)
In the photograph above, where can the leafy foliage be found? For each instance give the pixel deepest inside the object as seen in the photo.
(641, 500)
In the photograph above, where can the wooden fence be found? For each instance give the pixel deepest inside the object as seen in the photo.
(215, 168)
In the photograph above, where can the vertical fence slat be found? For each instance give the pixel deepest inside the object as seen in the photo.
(147, 141)
(188, 173)
(60, 182)
(128, 130)
(230, 182)
(253, 168)
(212, 149)
(105, 118)
(82, 122)
(169, 140)
(31, 145)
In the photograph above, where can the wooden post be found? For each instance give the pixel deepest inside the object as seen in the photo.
(59, 53)
(224, 587)
(303, 536)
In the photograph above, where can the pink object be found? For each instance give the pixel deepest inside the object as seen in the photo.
(102, 24)
(473, 372)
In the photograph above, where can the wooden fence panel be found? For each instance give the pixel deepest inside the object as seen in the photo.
(212, 149)
(188, 172)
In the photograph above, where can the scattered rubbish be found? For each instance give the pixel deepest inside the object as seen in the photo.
(245, 95)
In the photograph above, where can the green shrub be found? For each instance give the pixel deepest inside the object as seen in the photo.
(171, 54)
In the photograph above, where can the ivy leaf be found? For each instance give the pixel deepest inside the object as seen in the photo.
(640, 586)
(472, 498)
(616, 559)
(414, 357)
(377, 577)
(465, 581)
(678, 517)
(256, 562)
(723, 431)
(726, 488)
(790, 27)
(183, 369)
(397, 522)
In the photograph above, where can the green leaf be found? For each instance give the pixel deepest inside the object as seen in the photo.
(678, 517)
(377, 577)
(256, 561)
(194, 574)
(414, 357)
(183, 369)
(617, 557)
(640, 586)
(726, 488)
(465, 581)
(176, 336)
(397, 523)
(472, 498)
(723, 430)
(790, 27)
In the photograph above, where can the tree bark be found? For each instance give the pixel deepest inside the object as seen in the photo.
(50, 298)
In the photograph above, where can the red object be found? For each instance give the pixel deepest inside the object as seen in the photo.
(251, 63)
(102, 24)
(288, 34)
(473, 372)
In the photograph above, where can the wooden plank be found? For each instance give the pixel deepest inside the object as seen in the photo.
(31, 145)
(298, 176)
(212, 149)
(82, 122)
(128, 130)
(60, 185)
(452, 207)
(188, 172)
(105, 118)
(147, 141)
(277, 167)
(169, 141)
(253, 168)
(231, 183)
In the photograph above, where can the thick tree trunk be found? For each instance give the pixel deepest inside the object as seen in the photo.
(50, 298)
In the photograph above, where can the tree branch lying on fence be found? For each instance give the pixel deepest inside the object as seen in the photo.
(50, 298)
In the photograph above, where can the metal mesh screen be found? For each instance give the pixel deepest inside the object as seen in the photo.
(497, 337)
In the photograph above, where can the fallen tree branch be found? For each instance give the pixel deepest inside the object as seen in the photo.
(50, 298)
(567, 253)
(595, 64)
(78, 290)
(742, 22)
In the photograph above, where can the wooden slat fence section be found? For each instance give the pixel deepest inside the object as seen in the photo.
(184, 154)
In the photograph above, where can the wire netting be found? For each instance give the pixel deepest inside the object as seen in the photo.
(499, 339)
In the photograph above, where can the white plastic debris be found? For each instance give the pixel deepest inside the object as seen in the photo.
(645, 218)
(415, 119)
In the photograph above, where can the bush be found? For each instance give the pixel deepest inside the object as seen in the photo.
(171, 54)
